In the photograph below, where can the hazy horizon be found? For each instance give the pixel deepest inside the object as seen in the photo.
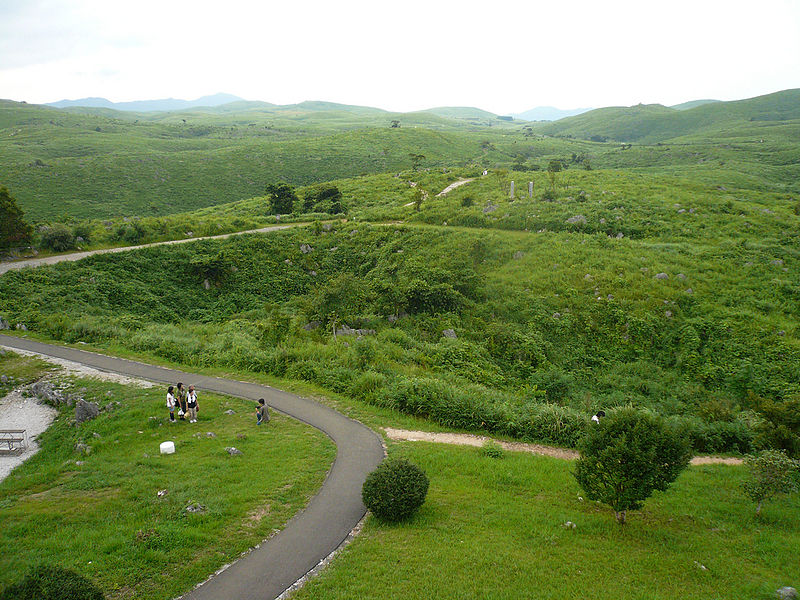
(505, 59)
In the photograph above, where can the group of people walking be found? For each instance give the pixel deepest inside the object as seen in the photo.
(185, 402)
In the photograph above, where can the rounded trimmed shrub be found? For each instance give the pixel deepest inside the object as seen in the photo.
(395, 490)
(53, 583)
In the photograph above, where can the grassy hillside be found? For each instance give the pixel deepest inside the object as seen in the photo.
(73, 164)
(665, 295)
(656, 123)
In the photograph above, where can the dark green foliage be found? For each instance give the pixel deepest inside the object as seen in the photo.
(52, 583)
(779, 426)
(281, 198)
(57, 238)
(395, 490)
(324, 198)
(14, 231)
(629, 455)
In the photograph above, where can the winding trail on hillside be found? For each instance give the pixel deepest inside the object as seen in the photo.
(468, 439)
(311, 535)
(453, 186)
(12, 265)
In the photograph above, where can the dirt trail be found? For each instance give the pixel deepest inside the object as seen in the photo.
(51, 260)
(465, 439)
(454, 185)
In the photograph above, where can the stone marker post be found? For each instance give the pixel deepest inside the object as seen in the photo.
(512, 190)
(530, 189)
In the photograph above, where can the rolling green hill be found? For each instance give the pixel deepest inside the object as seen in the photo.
(656, 123)
(95, 162)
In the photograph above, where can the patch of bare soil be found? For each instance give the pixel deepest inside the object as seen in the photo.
(466, 439)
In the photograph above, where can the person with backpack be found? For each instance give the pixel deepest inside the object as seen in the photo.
(191, 404)
(181, 397)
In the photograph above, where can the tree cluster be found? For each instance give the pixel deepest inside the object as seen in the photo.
(14, 231)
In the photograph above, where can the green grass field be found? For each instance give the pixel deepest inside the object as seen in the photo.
(104, 518)
(494, 528)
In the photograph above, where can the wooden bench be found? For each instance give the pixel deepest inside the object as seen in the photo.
(13, 441)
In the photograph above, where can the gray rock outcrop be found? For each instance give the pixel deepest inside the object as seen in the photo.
(85, 411)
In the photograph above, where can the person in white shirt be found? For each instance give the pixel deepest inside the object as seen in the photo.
(600, 414)
(171, 404)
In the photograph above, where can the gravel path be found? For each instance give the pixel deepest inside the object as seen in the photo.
(51, 260)
(19, 412)
(465, 439)
(453, 186)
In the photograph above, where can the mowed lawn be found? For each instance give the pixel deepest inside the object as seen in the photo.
(495, 528)
(101, 513)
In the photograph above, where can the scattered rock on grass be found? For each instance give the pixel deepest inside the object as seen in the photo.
(786, 593)
(233, 451)
(85, 411)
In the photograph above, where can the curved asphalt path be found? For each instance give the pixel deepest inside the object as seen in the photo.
(309, 536)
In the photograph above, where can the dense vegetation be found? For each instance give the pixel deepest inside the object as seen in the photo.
(663, 276)
(549, 327)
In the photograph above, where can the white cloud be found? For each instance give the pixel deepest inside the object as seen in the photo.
(501, 56)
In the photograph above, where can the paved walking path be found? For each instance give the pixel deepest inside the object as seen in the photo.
(309, 536)
(57, 258)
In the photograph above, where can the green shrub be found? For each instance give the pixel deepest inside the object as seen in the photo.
(52, 583)
(771, 473)
(57, 238)
(492, 449)
(395, 490)
(627, 456)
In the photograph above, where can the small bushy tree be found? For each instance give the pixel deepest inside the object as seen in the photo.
(14, 231)
(627, 456)
(323, 198)
(395, 490)
(281, 198)
(771, 473)
(58, 238)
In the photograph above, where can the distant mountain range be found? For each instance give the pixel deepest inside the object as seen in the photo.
(167, 104)
(542, 113)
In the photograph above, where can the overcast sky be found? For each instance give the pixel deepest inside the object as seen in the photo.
(503, 56)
